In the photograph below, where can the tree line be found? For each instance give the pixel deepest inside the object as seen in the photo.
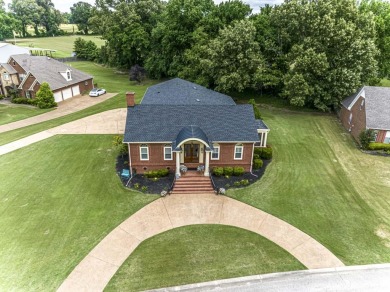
(42, 16)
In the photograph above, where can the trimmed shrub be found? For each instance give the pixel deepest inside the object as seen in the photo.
(156, 173)
(365, 137)
(45, 97)
(256, 156)
(1, 96)
(257, 163)
(263, 153)
(218, 171)
(244, 182)
(237, 184)
(20, 100)
(379, 146)
(228, 170)
(257, 152)
(238, 170)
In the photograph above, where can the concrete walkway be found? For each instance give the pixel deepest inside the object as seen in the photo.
(64, 108)
(95, 271)
(109, 122)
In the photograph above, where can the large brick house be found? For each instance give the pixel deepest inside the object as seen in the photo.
(27, 73)
(368, 108)
(182, 123)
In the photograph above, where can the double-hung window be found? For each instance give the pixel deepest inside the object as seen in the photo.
(5, 76)
(144, 152)
(167, 152)
(215, 153)
(238, 152)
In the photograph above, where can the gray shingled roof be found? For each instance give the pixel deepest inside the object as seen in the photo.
(261, 125)
(48, 70)
(348, 101)
(9, 68)
(163, 123)
(191, 132)
(377, 107)
(181, 92)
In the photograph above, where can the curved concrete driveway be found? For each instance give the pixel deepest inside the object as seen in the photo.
(108, 122)
(64, 108)
(95, 271)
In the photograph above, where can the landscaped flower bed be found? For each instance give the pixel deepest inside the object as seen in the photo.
(231, 181)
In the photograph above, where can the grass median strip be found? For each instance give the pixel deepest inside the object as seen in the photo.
(13, 113)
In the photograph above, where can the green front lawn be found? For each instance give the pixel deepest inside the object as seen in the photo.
(13, 113)
(64, 45)
(58, 199)
(109, 78)
(200, 253)
(321, 183)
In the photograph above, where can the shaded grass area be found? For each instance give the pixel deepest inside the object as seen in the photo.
(108, 78)
(58, 199)
(64, 45)
(322, 184)
(12, 113)
(199, 253)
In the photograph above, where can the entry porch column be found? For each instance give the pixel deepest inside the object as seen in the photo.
(177, 173)
(207, 164)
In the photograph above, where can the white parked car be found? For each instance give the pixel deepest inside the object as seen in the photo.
(97, 92)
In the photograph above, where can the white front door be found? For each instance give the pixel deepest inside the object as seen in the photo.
(67, 93)
(58, 96)
(76, 90)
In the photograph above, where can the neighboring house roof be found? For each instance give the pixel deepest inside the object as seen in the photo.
(8, 68)
(49, 70)
(163, 123)
(181, 92)
(7, 50)
(377, 106)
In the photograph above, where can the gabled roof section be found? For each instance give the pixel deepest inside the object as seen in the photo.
(377, 107)
(163, 123)
(181, 92)
(8, 68)
(350, 101)
(46, 69)
(261, 125)
(190, 132)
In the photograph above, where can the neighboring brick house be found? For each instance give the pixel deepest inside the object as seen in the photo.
(8, 78)
(368, 108)
(182, 123)
(32, 71)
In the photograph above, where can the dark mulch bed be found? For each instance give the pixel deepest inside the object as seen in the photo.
(227, 183)
(139, 181)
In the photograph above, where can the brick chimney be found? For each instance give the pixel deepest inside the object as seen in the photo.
(130, 97)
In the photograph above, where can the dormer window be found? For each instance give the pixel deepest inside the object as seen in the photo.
(68, 75)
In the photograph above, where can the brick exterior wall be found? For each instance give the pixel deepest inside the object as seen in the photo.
(16, 66)
(358, 122)
(156, 157)
(26, 85)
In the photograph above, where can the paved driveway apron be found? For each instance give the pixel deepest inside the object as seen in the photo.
(64, 108)
(95, 271)
(109, 122)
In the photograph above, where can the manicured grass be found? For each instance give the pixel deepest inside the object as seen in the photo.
(12, 113)
(59, 198)
(64, 45)
(385, 82)
(199, 253)
(110, 79)
(322, 184)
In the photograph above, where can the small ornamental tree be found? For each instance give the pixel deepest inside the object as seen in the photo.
(366, 137)
(45, 96)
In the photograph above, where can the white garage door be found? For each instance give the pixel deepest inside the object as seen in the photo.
(58, 96)
(67, 93)
(76, 90)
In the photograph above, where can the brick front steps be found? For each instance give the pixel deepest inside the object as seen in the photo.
(193, 182)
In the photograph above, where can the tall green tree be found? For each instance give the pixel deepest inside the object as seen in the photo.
(126, 26)
(381, 11)
(7, 23)
(25, 11)
(45, 97)
(330, 50)
(81, 12)
(230, 62)
(50, 17)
